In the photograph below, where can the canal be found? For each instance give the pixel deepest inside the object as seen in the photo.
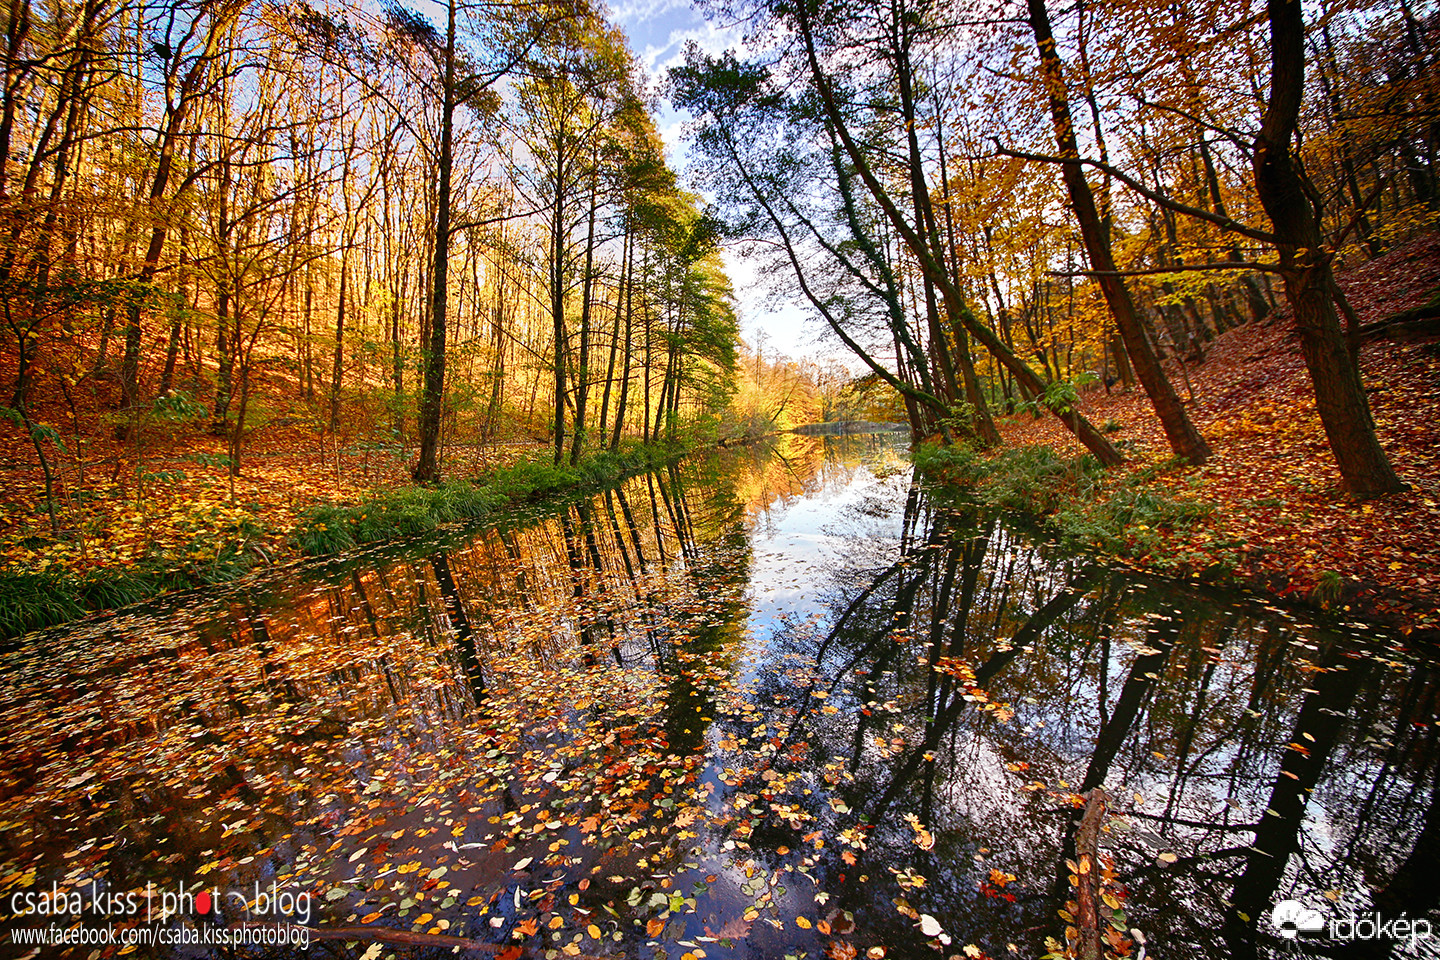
(774, 702)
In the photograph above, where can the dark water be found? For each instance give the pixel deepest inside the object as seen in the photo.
(779, 702)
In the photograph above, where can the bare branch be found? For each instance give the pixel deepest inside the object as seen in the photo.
(1182, 268)
(1221, 221)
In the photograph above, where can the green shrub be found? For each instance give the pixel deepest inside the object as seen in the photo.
(1070, 497)
(117, 587)
(1129, 522)
(956, 463)
(1036, 480)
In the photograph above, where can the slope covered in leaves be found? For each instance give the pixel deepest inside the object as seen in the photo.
(1279, 514)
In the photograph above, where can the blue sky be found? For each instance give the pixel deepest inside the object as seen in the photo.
(658, 31)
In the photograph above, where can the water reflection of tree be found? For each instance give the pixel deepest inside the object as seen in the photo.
(779, 470)
(1198, 704)
(307, 694)
(1175, 693)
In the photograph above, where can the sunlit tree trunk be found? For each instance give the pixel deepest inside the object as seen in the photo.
(427, 467)
(626, 254)
(337, 367)
(984, 426)
(582, 370)
(557, 304)
(629, 346)
(1185, 440)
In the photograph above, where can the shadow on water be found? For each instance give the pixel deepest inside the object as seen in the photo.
(771, 702)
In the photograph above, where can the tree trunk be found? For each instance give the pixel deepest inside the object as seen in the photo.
(582, 372)
(629, 346)
(130, 364)
(984, 425)
(1185, 440)
(427, 468)
(497, 367)
(557, 300)
(649, 354)
(397, 364)
(337, 369)
(225, 360)
(308, 380)
(948, 389)
(625, 256)
(1339, 392)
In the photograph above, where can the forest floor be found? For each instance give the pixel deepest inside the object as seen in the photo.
(160, 511)
(187, 491)
(1278, 507)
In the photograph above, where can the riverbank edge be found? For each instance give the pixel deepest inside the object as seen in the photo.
(1127, 518)
(37, 600)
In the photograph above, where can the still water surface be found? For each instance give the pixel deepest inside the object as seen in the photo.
(773, 702)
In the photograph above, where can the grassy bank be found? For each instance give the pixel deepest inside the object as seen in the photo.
(60, 583)
(414, 511)
(1161, 518)
(1123, 515)
(1279, 515)
(34, 599)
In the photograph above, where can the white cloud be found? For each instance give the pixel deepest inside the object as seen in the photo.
(636, 12)
(672, 134)
(711, 38)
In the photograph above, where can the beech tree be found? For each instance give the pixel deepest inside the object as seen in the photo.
(1291, 202)
(745, 138)
(1171, 225)
(454, 78)
(1184, 439)
(577, 77)
(188, 47)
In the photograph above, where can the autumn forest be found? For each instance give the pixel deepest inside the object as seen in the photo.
(851, 479)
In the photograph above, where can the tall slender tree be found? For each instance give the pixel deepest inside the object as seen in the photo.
(1185, 440)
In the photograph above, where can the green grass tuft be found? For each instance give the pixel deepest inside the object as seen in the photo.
(415, 511)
